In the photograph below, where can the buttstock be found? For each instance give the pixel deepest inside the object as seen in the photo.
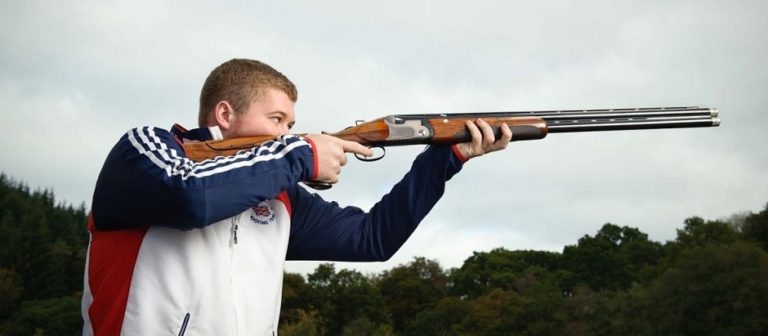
(199, 151)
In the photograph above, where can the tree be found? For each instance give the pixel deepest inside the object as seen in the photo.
(499, 268)
(755, 227)
(296, 304)
(412, 288)
(42, 256)
(10, 292)
(345, 296)
(304, 324)
(714, 289)
(55, 316)
(443, 319)
(613, 259)
(698, 232)
(589, 312)
(362, 326)
(497, 313)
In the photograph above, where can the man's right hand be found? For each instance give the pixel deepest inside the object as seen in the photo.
(331, 155)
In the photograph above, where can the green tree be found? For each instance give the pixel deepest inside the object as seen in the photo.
(54, 316)
(412, 288)
(10, 292)
(305, 324)
(714, 289)
(613, 259)
(42, 256)
(499, 268)
(296, 299)
(443, 319)
(362, 326)
(589, 312)
(755, 227)
(499, 312)
(345, 296)
(699, 232)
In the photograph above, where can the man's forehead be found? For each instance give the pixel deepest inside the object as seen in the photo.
(274, 99)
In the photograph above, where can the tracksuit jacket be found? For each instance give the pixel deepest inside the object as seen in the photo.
(180, 247)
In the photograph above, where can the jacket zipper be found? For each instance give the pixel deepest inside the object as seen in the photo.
(183, 329)
(235, 222)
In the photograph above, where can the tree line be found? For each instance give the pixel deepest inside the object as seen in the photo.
(42, 258)
(712, 279)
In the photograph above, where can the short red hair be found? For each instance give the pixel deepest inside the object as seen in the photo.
(239, 82)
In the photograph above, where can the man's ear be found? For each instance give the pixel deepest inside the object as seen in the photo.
(223, 113)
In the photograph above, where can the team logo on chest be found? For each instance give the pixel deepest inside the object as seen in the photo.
(262, 214)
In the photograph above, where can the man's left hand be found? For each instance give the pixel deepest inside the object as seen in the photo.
(483, 139)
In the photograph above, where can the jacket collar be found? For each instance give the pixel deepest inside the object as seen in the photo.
(197, 134)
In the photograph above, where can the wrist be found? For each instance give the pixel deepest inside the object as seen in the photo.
(459, 154)
(315, 159)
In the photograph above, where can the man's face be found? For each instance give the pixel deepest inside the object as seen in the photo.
(270, 114)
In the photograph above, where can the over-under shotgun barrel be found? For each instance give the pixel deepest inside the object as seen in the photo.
(559, 121)
(629, 119)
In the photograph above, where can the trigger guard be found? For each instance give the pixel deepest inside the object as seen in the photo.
(373, 158)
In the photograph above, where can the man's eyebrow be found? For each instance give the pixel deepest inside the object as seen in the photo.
(281, 113)
(284, 115)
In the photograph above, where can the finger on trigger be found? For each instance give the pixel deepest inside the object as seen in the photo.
(354, 147)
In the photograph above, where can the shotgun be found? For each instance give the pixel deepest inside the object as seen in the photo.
(414, 129)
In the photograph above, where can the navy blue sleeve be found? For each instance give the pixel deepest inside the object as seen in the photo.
(148, 180)
(322, 230)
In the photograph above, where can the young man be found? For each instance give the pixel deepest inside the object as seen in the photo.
(181, 247)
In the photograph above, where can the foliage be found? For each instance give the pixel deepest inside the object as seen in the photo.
(708, 281)
(710, 290)
(344, 298)
(412, 288)
(42, 258)
(499, 268)
(613, 259)
(56, 316)
(755, 228)
(443, 319)
(10, 291)
(699, 232)
(303, 324)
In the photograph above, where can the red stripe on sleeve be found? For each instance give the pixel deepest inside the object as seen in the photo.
(459, 155)
(315, 158)
(283, 197)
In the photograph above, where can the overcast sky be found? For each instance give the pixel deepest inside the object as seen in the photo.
(75, 75)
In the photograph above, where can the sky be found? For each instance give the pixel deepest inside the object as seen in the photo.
(75, 75)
